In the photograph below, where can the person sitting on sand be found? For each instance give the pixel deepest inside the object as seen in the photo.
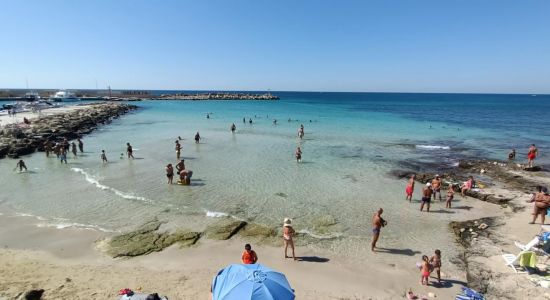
(197, 138)
(169, 173)
(178, 150)
(512, 154)
(542, 202)
(450, 195)
(21, 165)
(409, 190)
(129, 151)
(425, 270)
(288, 235)
(249, 256)
(436, 186)
(426, 197)
(298, 154)
(435, 261)
(103, 156)
(531, 155)
(466, 186)
(377, 224)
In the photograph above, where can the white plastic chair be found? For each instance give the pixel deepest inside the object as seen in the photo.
(528, 246)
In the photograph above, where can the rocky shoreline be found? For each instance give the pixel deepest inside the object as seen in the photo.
(22, 139)
(217, 96)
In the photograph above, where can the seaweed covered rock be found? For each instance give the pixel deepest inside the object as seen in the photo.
(224, 229)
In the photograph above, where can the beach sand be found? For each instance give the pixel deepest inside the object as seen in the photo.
(68, 265)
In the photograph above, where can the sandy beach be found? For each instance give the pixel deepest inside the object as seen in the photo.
(6, 119)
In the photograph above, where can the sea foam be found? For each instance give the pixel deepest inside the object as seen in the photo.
(95, 182)
(432, 147)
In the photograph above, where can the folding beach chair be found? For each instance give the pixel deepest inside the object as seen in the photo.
(528, 246)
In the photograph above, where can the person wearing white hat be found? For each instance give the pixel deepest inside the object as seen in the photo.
(426, 196)
(288, 234)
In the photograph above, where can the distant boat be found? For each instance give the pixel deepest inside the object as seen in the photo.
(64, 95)
(31, 96)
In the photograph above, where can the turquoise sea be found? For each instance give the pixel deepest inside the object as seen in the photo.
(353, 141)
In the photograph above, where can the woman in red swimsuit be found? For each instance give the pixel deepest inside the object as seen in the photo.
(531, 155)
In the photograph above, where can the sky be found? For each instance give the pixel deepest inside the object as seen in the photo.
(464, 46)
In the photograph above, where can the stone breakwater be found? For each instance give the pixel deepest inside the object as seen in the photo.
(23, 139)
(218, 96)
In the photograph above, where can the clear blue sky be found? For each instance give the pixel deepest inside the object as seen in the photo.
(301, 45)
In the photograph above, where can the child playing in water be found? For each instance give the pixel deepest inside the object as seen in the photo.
(450, 196)
(435, 261)
(425, 270)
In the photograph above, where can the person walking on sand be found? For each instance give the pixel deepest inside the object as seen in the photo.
(450, 195)
(436, 186)
(435, 262)
(103, 156)
(169, 173)
(197, 138)
(249, 256)
(377, 224)
(542, 202)
(425, 270)
(298, 154)
(178, 149)
(129, 151)
(426, 197)
(73, 149)
(80, 145)
(233, 127)
(288, 237)
(531, 155)
(409, 190)
(21, 165)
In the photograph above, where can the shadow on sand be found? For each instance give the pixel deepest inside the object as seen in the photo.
(446, 283)
(408, 252)
(316, 259)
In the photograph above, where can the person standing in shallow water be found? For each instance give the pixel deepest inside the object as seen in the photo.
(409, 190)
(512, 154)
(169, 173)
(377, 224)
(63, 155)
(21, 165)
(288, 237)
(73, 149)
(298, 154)
(80, 145)
(178, 149)
(233, 127)
(197, 138)
(129, 151)
(103, 156)
(531, 155)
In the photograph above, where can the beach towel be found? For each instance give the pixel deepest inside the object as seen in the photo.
(470, 294)
(528, 259)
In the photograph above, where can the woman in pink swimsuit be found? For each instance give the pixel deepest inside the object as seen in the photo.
(409, 190)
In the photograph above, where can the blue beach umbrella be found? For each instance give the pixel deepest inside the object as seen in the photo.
(243, 282)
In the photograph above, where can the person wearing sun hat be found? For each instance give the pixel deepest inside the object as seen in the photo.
(426, 196)
(288, 234)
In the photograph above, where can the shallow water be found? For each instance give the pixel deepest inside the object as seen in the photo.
(352, 141)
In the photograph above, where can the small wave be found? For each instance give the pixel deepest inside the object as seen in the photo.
(432, 147)
(320, 237)
(215, 214)
(73, 225)
(30, 215)
(95, 182)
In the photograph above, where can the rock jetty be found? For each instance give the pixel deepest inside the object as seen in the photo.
(23, 139)
(217, 96)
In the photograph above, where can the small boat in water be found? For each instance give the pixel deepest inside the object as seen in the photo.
(31, 96)
(64, 95)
